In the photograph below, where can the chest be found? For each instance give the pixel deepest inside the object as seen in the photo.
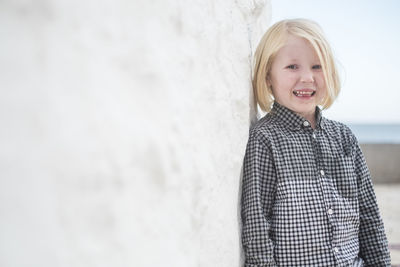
(314, 159)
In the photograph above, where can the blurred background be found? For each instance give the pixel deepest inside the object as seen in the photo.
(124, 123)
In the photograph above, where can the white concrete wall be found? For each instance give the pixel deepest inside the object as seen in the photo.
(123, 127)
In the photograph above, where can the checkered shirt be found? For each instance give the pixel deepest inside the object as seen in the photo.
(307, 196)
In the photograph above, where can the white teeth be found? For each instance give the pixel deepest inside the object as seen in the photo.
(304, 93)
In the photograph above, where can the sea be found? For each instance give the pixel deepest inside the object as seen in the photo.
(376, 133)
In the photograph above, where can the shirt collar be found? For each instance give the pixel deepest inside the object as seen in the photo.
(294, 121)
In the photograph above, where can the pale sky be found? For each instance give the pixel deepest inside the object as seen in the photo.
(365, 37)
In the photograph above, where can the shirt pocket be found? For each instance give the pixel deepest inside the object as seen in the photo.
(344, 176)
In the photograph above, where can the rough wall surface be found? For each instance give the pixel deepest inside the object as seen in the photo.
(124, 125)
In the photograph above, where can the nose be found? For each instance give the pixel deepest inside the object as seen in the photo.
(307, 76)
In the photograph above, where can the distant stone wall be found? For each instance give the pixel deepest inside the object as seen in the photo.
(123, 129)
(383, 161)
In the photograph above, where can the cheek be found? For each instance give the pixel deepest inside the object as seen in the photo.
(321, 81)
(321, 86)
(283, 80)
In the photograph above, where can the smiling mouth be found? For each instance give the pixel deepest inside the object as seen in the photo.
(304, 93)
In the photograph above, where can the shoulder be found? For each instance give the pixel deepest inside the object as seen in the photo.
(336, 126)
(340, 131)
(264, 128)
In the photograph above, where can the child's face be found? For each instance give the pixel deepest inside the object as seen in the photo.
(296, 77)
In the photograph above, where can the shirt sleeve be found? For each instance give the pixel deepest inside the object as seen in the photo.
(258, 191)
(372, 239)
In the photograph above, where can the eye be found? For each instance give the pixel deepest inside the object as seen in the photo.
(317, 67)
(292, 67)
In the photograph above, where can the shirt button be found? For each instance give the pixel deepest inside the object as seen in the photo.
(306, 123)
(314, 136)
(322, 172)
(336, 249)
(330, 211)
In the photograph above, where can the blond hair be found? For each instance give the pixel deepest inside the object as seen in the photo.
(273, 40)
